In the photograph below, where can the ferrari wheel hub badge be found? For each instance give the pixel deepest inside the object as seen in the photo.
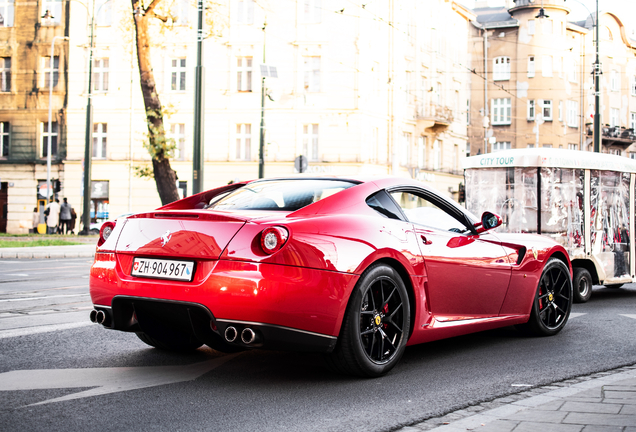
(377, 320)
(551, 297)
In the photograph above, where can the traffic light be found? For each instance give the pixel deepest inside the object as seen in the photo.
(57, 185)
(462, 193)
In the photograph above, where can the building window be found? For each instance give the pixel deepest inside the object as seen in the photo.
(244, 74)
(312, 74)
(245, 11)
(573, 146)
(531, 109)
(421, 152)
(501, 69)
(310, 141)
(178, 74)
(45, 134)
(531, 27)
(4, 139)
(633, 86)
(468, 111)
(572, 65)
(100, 75)
(5, 74)
(46, 71)
(547, 110)
(632, 121)
(501, 111)
(614, 117)
(560, 110)
(177, 133)
(546, 27)
(312, 11)
(547, 146)
(243, 142)
(614, 81)
(531, 67)
(179, 11)
(437, 155)
(632, 155)
(6, 13)
(530, 146)
(498, 146)
(105, 13)
(546, 69)
(573, 114)
(100, 131)
(405, 151)
(51, 12)
(437, 93)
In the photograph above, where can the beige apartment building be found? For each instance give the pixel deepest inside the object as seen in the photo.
(374, 88)
(534, 85)
(27, 34)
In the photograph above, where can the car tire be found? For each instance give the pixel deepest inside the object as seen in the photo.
(582, 283)
(170, 343)
(376, 325)
(614, 286)
(552, 301)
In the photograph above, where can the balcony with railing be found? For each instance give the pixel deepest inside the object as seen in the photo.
(434, 116)
(615, 136)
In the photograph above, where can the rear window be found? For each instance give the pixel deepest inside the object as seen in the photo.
(282, 195)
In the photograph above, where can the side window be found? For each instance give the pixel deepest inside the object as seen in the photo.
(383, 204)
(421, 211)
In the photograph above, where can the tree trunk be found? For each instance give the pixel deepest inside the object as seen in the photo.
(165, 177)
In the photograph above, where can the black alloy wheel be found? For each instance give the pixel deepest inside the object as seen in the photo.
(381, 320)
(552, 302)
(376, 326)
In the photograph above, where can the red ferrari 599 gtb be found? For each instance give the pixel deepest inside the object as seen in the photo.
(355, 268)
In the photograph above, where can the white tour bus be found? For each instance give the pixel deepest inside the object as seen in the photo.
(583, 200)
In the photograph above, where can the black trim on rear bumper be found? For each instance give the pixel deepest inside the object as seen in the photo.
(156, 316)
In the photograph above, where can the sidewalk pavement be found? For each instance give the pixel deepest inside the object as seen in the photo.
(73, 251)
(601, 402)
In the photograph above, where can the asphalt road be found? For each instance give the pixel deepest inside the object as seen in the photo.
(59, 372)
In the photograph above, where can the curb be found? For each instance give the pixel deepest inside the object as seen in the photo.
(52, 252)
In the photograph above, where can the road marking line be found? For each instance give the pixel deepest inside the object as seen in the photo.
(575, 315)
(42, 298)
(105, 380)
(27, 331)
(629, 315)
(16, 274)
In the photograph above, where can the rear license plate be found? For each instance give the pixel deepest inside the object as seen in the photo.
(163, 269)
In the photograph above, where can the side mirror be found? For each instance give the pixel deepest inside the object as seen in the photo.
(488, 221)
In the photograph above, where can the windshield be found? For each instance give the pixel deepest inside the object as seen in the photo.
(281, 195)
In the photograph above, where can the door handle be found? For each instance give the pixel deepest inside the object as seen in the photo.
(426, 242)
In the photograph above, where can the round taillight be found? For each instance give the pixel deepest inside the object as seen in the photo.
(104, 232)
(273, 238)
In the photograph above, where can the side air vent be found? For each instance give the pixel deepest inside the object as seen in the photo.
(522, 254)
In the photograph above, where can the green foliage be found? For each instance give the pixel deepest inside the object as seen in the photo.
(144, 171)
(30, 243)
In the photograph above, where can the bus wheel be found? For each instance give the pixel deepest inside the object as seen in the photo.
(582, 282)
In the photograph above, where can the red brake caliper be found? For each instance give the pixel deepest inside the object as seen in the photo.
(385, 310)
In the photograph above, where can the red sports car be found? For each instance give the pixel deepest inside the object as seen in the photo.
(356, 268)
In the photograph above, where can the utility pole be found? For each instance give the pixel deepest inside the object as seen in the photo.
(88, 139)
(597, 92)
(198, 151)
(261, 142)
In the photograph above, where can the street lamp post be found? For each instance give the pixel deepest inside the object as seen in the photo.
(88, 143)
(597, 91)
(197, 143)
(50, 131)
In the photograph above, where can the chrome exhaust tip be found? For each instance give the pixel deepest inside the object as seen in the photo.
(248, 336)
(231, 334)
(93, 316)
(100, 317)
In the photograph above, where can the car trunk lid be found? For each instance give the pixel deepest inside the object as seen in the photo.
(183, 234)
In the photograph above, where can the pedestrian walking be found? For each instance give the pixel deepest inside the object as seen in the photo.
(36, 220)
(53, 216)
(65, 218)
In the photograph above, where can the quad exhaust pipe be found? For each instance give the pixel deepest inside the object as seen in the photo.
(231, 334)
(248, 336)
